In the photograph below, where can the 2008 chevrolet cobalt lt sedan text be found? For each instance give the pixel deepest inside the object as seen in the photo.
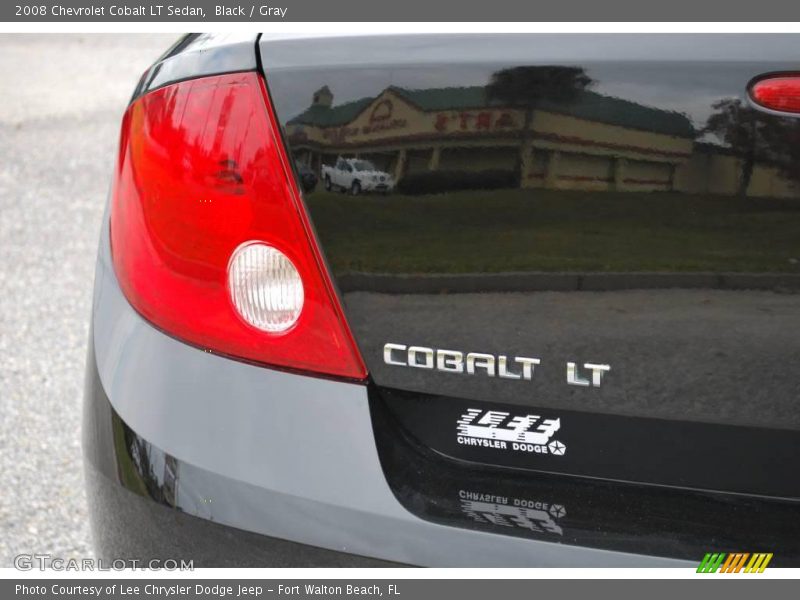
(564, 333)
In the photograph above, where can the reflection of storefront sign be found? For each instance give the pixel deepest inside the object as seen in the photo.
(381, 119)
(381, 112)
(384, 126)
(474, 121)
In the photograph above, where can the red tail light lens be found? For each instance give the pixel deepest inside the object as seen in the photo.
(210, 240)
(777, 93)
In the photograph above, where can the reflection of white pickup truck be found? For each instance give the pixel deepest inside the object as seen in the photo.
(356, 175)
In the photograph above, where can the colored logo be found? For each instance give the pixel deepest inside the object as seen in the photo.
(735, 562)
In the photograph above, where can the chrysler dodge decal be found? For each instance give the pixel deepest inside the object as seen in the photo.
(500, 430)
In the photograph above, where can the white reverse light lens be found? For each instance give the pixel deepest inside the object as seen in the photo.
(265, 287)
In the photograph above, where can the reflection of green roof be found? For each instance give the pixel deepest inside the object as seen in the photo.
(615, 111)
(324, 116)
(588, 105)
(451, 98)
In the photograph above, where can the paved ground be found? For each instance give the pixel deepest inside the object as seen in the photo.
(61, 100)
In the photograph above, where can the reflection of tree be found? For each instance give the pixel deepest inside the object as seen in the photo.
(528, 87)
(753, 136)
(743, 129)
(140, 453)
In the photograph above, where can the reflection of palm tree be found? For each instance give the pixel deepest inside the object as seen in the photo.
(741, 128)
(753, 135)
(528, 87)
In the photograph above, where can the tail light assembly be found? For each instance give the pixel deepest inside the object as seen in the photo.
(780, 93)
(209, 237)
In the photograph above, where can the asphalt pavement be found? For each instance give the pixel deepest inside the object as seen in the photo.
(61, 100)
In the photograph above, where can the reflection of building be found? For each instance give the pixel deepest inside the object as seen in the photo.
(595, 142)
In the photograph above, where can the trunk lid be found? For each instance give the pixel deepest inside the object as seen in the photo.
(588, 260)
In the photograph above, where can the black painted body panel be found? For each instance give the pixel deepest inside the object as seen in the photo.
(133, 487)
(639, 519)
(609, 200)
(200, 55)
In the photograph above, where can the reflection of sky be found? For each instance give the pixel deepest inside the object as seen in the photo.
(292, 92)
(688, 86)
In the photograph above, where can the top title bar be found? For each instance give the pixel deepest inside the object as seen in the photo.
(214, 11)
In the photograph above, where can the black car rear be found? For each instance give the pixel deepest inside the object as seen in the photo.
(579, 306)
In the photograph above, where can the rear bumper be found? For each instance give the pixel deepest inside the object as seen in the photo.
(196, 456)
(134, 527)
